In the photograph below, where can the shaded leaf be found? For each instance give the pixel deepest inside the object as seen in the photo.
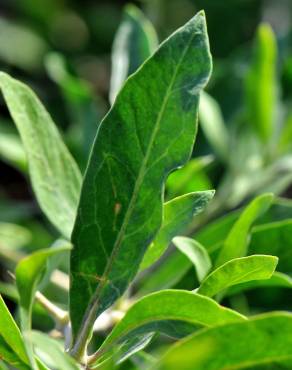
(236, 242)
(54, 175)
(134, 42)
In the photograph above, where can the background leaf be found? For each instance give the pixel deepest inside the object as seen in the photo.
(234, 346)
(196, 253)
(54, 175)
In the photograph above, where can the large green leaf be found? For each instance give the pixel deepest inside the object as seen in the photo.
(54, 175)
(265, 340)
(11, 334)
(236, 271)
(147, 315)
(261, 83)
(196, 253)
(213, 126)
(134, 42)
(236, 242)
(177, 214)
(149, 131)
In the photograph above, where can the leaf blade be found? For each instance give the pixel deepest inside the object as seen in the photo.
(142, 171)
(55, 177)
(236, 271)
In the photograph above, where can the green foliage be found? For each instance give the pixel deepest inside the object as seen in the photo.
(160, 274)
(122, 186)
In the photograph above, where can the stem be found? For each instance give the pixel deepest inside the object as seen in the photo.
(61, 316)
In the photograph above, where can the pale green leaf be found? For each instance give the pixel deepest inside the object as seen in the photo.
(196, 253)
(54, 175)
(263, 340)
(120, 209)
(213, 126)
(147, 314)
(236, 271)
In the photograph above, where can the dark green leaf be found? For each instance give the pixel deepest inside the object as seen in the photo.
(149, 132)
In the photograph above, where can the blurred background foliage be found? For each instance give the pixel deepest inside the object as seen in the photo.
(62, 49)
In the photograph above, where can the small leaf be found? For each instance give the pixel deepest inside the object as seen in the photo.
(55, 178)
(261, 83)
(11, 334)
(28, 274)
(238, 270)
(149, 131)
(236, 242)
(196, 253)
(134, 42)
(213, 126)
(265, 340)
(150, 311)
(177, 215)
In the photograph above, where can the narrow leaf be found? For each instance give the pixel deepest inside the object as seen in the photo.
(261, 83)
(121, 202)
(168, 305)
(28, 274)
(196, 253)
(238, 270)
(54, 175)
(236, 242)
(10, 333)
(213, 126)
(177, 215)
(265, 339)
(134, 42)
